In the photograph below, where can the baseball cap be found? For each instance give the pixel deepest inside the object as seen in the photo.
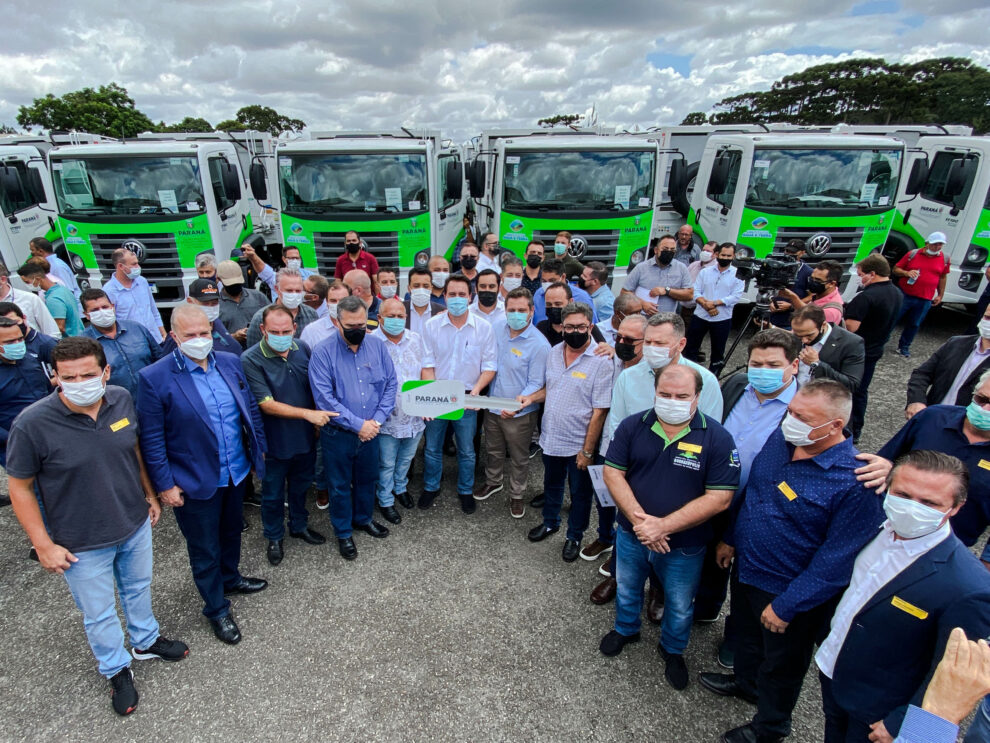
(204, 290)
(229, 273)
(936, 237)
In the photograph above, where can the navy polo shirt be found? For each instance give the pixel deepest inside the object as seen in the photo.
(284, 380)
(939, 428)
(665, 474)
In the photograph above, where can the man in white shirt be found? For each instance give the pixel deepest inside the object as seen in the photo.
(716, 291)
(488, 303)
(326, 325)
(35, 312)
(512, 275)
(488, 258)
(420, 303)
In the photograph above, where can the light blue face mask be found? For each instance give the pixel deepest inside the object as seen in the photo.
(14, 351)
(765, 381)
(457, 306)
(393, 325)
(517, 320)
(975, 414)
(279, 343)
(134, 273)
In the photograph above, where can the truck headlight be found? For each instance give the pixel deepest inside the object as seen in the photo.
(422, 258)
(77, 262)
(975, 256)
(637, 257)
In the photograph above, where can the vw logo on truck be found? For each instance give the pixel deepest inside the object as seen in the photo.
(819, 244)
(579, 246)
(136, 247)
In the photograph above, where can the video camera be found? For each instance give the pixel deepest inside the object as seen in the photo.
(773, 273)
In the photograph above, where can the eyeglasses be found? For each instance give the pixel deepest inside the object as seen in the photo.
(619, 338)
(576, 328)
(981, 400)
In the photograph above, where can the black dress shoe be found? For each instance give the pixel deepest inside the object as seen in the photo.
(225, 628)
(390, 514)
(347, 548)
(405, 500)
(746, 734)
(275, 551)
(244, 525)
(612, 644)
(725, 685)
(308, 536)
(467, 503)
(426, 498)
(246, 585)
(537, 501)
(374, 529)
(540, 532)
(571, 550)
(675, 670)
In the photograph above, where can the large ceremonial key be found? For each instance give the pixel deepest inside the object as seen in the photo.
(446, 399)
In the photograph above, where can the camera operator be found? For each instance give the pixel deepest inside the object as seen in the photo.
(823, 291)
(781, 308)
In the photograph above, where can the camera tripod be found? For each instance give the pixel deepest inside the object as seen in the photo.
(760, 312)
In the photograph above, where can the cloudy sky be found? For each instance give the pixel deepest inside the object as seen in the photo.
(461, 65)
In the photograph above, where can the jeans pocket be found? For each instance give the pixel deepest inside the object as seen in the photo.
(690, 551)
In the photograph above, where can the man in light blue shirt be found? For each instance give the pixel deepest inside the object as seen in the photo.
(594, 280)
(553, 271)
(41, 247)
(662, 282)
(716, 291)
(131, 294)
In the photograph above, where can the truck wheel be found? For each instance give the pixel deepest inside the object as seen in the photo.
(896, 246)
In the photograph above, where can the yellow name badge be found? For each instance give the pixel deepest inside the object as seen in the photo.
(122, 423)
(579, 375)
(984, 464)
(786, 490)
(517, 352)
(911, 609)
(693, 448)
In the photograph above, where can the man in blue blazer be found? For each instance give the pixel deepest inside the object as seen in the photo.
(201, 434)
(910, 587)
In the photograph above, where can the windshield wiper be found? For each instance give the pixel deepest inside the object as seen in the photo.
(88, 210)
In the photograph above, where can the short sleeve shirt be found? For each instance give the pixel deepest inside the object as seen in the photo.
(876, 308)
(649, 275)
(931, 267)
(284, 380)
(665, 475)
(573, 393)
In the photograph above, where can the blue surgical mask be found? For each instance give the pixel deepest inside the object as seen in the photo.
(279, 343)
(134, 273)
(394, 325)
(765, 381)
(517, 320)
(975, 414)
(457, 306)
(14, 351)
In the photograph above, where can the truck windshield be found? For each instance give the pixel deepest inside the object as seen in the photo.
(128, 185)
(324, 182)
(579, 180)
(823, 178)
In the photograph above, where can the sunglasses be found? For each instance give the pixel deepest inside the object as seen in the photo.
(981, 400)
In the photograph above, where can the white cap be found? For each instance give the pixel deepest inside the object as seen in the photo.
(936, 237)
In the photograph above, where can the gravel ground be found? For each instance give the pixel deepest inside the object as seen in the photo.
(453, 628)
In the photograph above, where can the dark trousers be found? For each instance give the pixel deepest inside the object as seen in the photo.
(556, 472)
(773, 666)
(913, 311)
(839, 726)
(212, 529)
(352, 471)
(714, 584)
(719, 332)
(296, 473)
(861, 397)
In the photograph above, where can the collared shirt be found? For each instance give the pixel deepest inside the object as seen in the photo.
(700, 457)
(751, 422)
(802, 523)
(714, 285)
(365, 261)
(976, 357)
(417, 322)
(532, 284)
(880, 562)
(222, 341)
(522, 365)
(284, 380)
(64, 306)
(694, 268)
(36, 314)
(61, 271)
(459, 353)
(832, 314)
(876, 308)
(359, 385)
(495, 318)
(649, 275)
(689, 256)
(131, 349)
(484, 263)
(135, 303)
(604, 301)
(322, 311)
(608, 331)
(225, 419)
(574, 392)
(318, 331)
(407, 356)
(21, 383)
(304, 317)
(577, 295)
(237, 315)
(804, 371)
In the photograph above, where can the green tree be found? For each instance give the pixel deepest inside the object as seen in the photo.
(4, 129)
(108, 110)
(188, 124)
(695, 118)
(559, 120)
(262, 119)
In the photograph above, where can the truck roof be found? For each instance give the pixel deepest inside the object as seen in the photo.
(805, 141)
(979, 143)
(579, 142)
(136, 148)
(355, 144)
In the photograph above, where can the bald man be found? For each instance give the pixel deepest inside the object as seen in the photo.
(360, 286)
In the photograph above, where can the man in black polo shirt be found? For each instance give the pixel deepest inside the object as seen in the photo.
(872, 315)
(670, 470)
(79, 448)
(277, 369)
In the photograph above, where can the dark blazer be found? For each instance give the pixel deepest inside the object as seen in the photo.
(931, 381)
(177, 439)
(841, 358)
(732, 390)
(435, 309)
(890, 653)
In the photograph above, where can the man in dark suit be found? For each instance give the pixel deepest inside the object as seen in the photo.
(949, 375)
(201, 434)
(910, 587)
(829, 352)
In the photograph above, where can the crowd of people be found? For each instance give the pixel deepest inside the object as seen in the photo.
(751, 491)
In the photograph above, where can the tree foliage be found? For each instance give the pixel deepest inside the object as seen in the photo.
(109, 110)
(188, 124)
(559, 120)
(262, 119)
(695, 118)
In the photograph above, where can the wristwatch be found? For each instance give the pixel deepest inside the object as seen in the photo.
(587, 454)
(666, 291)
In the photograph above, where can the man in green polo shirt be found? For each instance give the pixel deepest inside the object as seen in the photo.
(669, 470)
(58, 299)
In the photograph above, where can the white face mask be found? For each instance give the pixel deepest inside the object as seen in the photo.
(546, 285)
(388, 291)
(104, 318)
(984, 327)
(798, 432)
(656, 356)
(212, 313)
(911, 519)
(85, 393)
(511, 283)
(291, 300)
(419, 297)
(293, 263)
(134, 273)
(674, 412)
(332, 310)
(706, 255)
(197, 348)
(439, 278)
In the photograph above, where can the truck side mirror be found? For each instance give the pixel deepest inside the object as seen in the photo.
(454, 186)
(918, 176)
(960, 173)
(36, 186)
(231, 182)
(719, 177)
(259, 182)
(675, 183)
(10, 184)
(476, 173)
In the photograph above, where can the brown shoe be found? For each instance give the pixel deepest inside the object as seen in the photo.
(484, 492)
(517, 508)
(654, 605)
(322, 499)
(604, 592)
(595, 550)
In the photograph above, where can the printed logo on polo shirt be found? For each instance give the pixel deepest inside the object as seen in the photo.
(734, 458)
(688, 460)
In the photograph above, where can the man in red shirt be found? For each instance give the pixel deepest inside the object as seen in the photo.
(355, 257)
(922, 275)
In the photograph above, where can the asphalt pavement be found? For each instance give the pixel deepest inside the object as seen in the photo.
(454, 628)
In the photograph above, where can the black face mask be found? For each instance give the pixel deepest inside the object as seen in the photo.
(582, 283)
(234, 290)
(625, 351)
(468, 261)
(533, 261)
(815, 286)
(487, 299)
(575, 340)
(354, 336)
(665, 257)
(724, 262)
(553, 315)
(353, 247)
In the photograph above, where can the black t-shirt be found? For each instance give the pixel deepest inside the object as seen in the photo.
(545, 327)
(876, 308)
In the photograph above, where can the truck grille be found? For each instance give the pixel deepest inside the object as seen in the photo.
(602, 245)
(159, 264)
(330, 246)
(845, 245)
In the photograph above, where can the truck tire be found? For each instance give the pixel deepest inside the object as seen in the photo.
(679, 191)
(896, 246)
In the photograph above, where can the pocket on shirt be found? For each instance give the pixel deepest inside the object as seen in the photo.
(472, 356)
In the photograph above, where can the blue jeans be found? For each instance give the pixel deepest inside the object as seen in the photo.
(557, 471)
(913, 312)
(464, 439)
(91, 581)
(679, 571)
(297, 472)
(979, 731)
(352, 471)
(394, 457)
(320, 472)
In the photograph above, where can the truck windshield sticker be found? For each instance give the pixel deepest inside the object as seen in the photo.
(644, 201)
(168, 201)
(622, 196)
(393, 198)
(512, 159)
(414, 205)
(868, 192)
